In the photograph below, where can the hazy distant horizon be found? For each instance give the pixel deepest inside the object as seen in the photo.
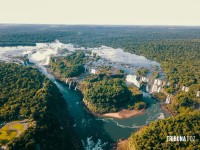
(133, 25)
(104, 12)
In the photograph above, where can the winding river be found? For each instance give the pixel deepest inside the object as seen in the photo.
(98, 131)
(107, 129)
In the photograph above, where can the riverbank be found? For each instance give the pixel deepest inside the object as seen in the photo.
(122, 144)
(161, 99)
(124, 113)
(163, 106)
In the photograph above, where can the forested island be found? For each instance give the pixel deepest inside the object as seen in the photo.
(27, 95)
(103, 92)
(69, 66)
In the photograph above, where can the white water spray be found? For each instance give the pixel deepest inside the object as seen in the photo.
(91, 145)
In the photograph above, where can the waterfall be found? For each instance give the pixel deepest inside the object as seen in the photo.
(147, 88)
(156, 81)
(185, 89)
(198, 93)
(75, 88)
(168, 99)
(159, 89)
(159, 82)
(67, 81)
(154, 88)
(70, 85)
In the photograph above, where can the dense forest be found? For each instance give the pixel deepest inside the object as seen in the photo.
(26, 94)
(70, 66)
(176, 48)
(104, 94)
(154, 136)
(180, 61)
(173, 47)
(91, 36)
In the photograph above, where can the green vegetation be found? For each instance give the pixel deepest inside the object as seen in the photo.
(18, 126)
(175, 58)
(173, 48)
(6, 135)
(156, 68)
(104, 94)
(143, 71)
(155, 74)
(176, 49)
(69, 66)
(10, 131)
(180, 61)
(160, 96)
(26, 94)
(185, 101)
(154, 136)
(135, 92)
(140, 105)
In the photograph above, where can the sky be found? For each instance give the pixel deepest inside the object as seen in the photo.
(101, 12)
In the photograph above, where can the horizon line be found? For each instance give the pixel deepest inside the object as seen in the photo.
(62, 24)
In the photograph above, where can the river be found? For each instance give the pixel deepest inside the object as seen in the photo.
(94, 131)
(108, 130)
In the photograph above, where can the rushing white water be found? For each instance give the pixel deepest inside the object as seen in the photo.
(40, 53)
(91, 145)
(118, 55)
(161, 116)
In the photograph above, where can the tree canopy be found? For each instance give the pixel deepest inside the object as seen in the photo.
(26, 94)
(154, 136)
